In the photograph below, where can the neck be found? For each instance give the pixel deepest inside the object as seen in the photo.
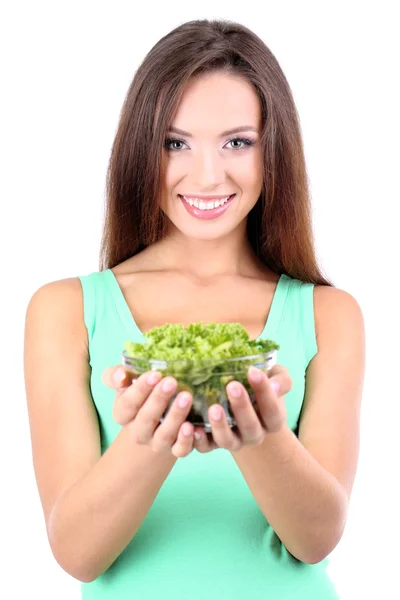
(206, 259)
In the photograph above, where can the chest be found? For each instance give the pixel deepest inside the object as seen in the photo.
(154, 302)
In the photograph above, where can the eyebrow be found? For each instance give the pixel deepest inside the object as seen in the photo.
(229, 132)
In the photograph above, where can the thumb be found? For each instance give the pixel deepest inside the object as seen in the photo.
(117, 377)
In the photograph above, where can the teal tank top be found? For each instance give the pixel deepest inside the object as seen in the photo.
(204, 537)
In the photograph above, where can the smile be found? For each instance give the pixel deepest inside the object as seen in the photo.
(206, 205)
(202, 209)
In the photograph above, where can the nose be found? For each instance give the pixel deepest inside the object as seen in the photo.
(208, 169)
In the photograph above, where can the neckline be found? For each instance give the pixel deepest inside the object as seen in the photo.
(132, 330)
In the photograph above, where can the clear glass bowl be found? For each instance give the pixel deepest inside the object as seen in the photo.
(205, 380)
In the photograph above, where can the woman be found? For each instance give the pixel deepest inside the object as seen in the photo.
(208, 219)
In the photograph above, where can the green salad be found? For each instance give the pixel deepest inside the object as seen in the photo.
(203, 359)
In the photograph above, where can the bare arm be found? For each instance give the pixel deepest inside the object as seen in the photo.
(305, 504)
(303, 485)
(96, 518)
(93, 504)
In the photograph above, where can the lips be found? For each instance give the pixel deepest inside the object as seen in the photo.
(206, 214)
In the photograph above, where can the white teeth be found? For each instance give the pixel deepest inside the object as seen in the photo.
(202, 205)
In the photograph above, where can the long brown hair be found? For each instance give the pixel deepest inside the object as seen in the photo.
(279, 226)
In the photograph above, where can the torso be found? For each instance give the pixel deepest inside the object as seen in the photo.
(159, 297)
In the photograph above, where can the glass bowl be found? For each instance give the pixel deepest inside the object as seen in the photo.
(205, 379)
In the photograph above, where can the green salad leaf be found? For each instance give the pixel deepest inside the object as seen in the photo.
(203, 359)
(214, 341)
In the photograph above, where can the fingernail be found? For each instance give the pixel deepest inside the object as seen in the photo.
(153, 378)
(255, 374)
(197, 436)
(183, 400)
(118, 376)
(187, 430)
(275, 386)
(235, 390)
(168, 385)
(216, 414)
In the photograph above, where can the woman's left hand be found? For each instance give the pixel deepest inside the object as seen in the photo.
(253, 423)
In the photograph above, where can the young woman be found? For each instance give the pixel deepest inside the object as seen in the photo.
(208, 219)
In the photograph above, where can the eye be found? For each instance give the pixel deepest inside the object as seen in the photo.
(246, 143)
(172, 141)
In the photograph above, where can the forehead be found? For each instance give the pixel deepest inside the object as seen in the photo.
(218, 101)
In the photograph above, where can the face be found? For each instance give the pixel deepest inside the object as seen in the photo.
(205, 161)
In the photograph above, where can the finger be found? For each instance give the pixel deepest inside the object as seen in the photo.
(281, 373)
(247, 421)
(271, 409)
(203, 442)
(148, 417)
(184, 443)
(221, 432)
(173, 426)
(117, 377)
(278, 374)
(128, 401)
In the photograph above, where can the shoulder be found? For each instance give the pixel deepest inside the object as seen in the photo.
(61, 290)
(58, 302)
(335, 308)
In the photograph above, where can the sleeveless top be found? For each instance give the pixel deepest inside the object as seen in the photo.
(204, 536)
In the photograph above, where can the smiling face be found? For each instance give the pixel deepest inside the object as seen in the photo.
(202, 159)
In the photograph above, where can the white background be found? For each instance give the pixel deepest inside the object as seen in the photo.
(66, 67)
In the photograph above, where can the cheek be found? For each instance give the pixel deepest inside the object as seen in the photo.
(173, 174)
(250, 179)
(248, 170)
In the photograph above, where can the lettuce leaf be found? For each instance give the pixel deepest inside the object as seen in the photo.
(200, 356)
(215, 341)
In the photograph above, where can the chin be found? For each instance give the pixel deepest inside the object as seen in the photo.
(203, 231)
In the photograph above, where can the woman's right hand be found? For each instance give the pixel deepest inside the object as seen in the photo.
(140, 403)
